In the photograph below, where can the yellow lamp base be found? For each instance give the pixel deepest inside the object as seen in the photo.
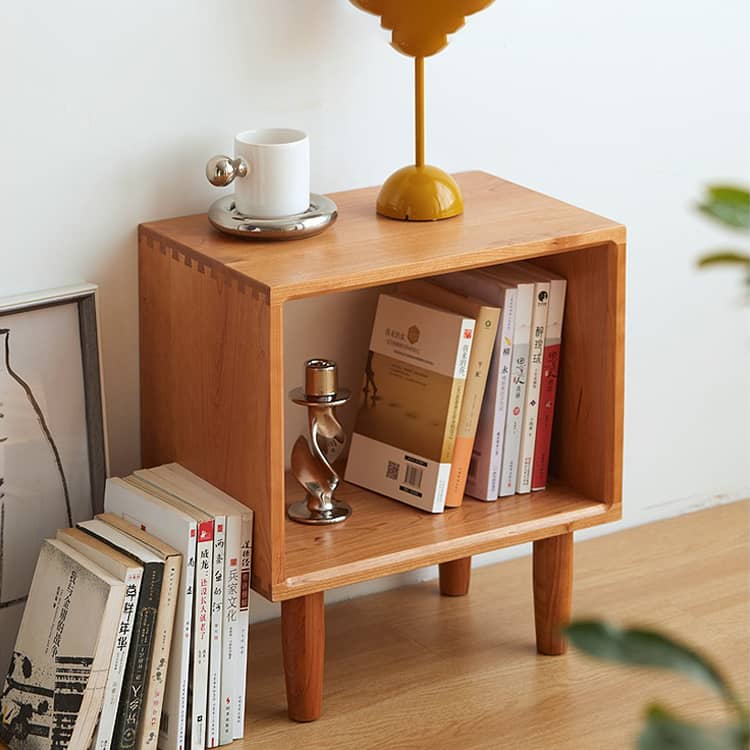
(420, 194)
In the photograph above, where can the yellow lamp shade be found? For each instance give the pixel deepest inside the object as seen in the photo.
(421, 27)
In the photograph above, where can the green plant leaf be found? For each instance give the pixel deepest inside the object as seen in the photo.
(728, 205)
(664, 731)
(646, 648)
(724, 257)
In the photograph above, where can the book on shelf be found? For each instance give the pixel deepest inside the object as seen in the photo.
(153, 699)
(518, 377)
(533, 385)
(136, 674)
(128, 570)
(550, 369)
(485, 333)
(410, 405)
(234, 568)
(549, 289)
(484, 470)
(183, 720)
(59, 668)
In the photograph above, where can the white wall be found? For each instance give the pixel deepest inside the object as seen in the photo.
(109, 112)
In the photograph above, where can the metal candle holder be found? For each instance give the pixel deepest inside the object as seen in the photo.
(312, 464)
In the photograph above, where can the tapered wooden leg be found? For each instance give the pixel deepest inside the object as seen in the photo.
(303, 645)
(553, 591)
(455, 577)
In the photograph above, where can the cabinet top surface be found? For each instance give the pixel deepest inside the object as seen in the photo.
(502, 221)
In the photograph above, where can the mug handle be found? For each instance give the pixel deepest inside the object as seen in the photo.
(221, 170)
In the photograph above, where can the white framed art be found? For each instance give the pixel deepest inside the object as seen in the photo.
(53, 452)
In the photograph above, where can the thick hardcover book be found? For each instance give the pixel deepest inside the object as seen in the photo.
(484, 470)
(124, 569)
(54, 689)
(153, 700)
(410, 402)
(485, 334)
(180, 531)
(550, 367)
(178, 481)
(531, 406)
(137, 667)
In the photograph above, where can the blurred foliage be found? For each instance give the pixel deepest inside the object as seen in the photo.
(648, 648)
(729, 206)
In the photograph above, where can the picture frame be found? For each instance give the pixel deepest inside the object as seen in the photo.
(53, 447)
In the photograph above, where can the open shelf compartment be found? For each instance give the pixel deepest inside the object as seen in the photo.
(384, 536)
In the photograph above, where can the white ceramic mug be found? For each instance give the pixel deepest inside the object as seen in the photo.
(277, 182)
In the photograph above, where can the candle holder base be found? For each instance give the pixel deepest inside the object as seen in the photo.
(302, 513)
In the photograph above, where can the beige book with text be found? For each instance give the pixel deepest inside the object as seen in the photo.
(485, 334)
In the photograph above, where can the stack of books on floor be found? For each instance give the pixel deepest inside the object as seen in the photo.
(459, 389)
(135, 631)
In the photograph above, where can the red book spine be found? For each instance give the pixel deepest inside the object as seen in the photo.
(546, 415)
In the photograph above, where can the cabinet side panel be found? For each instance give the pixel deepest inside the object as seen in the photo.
(206, 397)
(587, 439)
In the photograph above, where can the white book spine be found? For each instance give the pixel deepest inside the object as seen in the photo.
(495, 415)
(244, 623)
(517, 392)
(202, 633)
(119, 658)
(173, 730)
(231, 628)
(531, 404)
(213, 729)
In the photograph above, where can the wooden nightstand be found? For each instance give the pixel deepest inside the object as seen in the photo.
(213, 395)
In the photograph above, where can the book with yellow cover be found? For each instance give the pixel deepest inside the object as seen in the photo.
(485, 332)
(410, 403)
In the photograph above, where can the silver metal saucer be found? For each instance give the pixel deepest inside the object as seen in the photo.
(322, 213)
(300, 512)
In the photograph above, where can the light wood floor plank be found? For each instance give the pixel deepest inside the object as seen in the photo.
(410, 669)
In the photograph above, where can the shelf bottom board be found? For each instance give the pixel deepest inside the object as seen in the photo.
(383, 536)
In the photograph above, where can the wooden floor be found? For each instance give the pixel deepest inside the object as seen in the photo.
(410, 669)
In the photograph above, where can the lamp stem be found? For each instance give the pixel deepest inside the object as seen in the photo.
(419, 110)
